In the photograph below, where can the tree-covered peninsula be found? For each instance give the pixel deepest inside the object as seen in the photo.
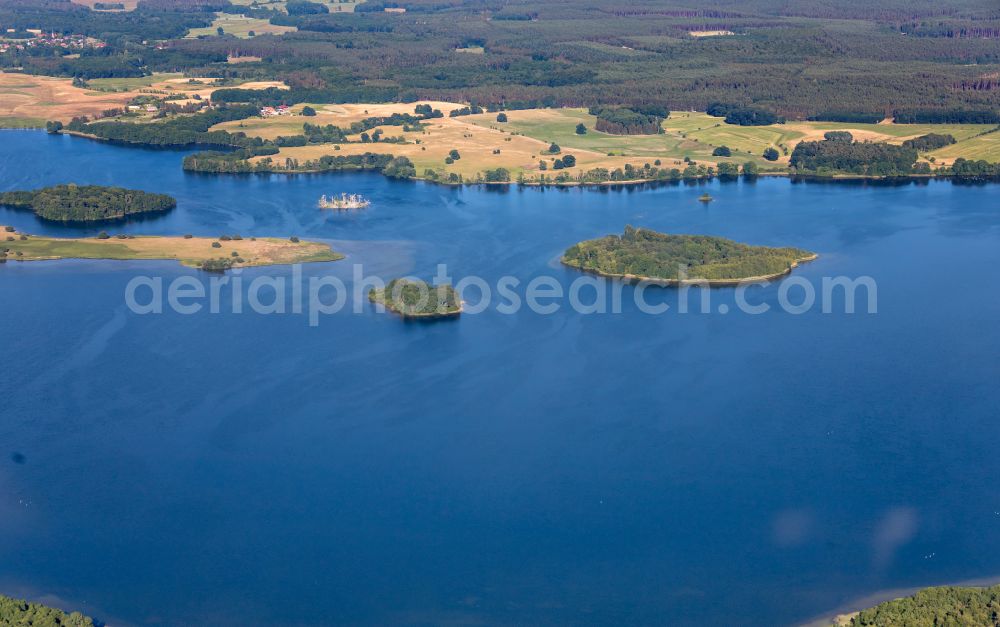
(18, 612)
(417, 299)
(87, 203)
(933, 607)
(675, 259)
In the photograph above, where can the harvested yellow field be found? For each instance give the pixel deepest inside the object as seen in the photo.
(188, 251)
(42, 98)
(338, 115)
(47, 98)
(710, 33)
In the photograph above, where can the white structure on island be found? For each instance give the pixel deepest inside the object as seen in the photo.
(352, 201)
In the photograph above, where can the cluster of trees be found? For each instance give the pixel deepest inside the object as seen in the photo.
(427, 112)
(87, 203)
(743, 116)
(649, 172)
(303, 7)
(566, 161)
(634, 120)
(646, 253)
(929, 142)
(975, 170)
(473, 110)
(21, 612)
(218, 265)
(838, 154)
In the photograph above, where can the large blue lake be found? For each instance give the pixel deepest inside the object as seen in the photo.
(707, 468)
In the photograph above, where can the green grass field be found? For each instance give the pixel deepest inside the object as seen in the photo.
(238, 26)
(335, 6)
(696, 135)
(985, 147)
(127, 84)
(22, 122)
(559, 126)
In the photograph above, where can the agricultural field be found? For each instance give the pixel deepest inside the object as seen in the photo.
(679, 140)
(985, 147)
(335, 6)
(476, 140)
(238, 26)
(524, 139)
(24, 97)
(338, 115)
(130, 83)
(29, 101)
(129, 4)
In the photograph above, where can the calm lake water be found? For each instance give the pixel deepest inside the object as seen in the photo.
(631, 468)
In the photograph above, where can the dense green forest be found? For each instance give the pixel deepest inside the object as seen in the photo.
(791, 58)
(19, 613)
(937, 607)
(645, 253)
(87, 203)
(931, 141)
(417, 299)
(743, 116)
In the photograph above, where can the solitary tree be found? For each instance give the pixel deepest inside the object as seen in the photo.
(771, 154)
(581, 129)
(722, 151)
(501, 117)
(554, 149)
(308, 111)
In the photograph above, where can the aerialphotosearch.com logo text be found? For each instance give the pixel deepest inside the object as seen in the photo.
(325, 295)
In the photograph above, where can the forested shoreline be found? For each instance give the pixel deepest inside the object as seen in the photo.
(918, 59)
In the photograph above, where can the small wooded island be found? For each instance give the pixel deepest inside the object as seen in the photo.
(213, 255)
(87, 203)
(641, 254)
(417, 299)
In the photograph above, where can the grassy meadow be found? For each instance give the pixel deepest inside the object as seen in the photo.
(238, 26)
